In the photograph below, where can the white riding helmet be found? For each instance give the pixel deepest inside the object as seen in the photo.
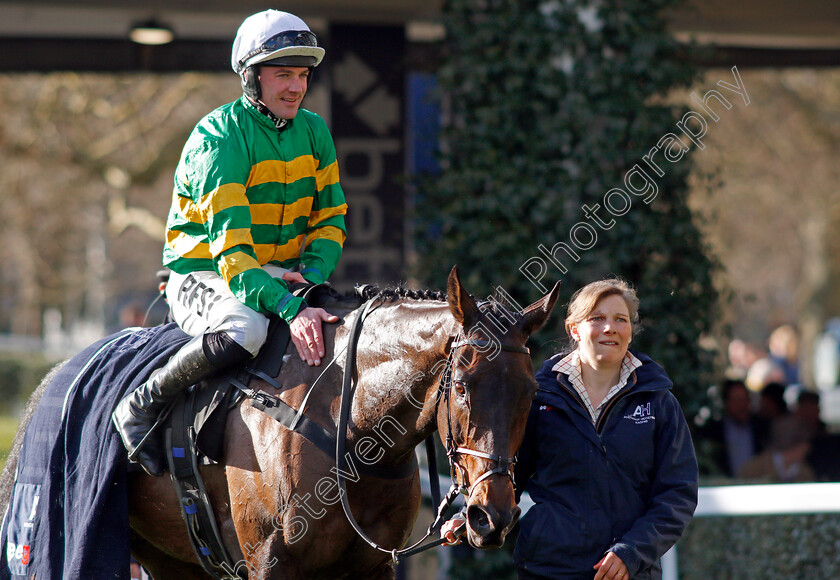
(272, 38)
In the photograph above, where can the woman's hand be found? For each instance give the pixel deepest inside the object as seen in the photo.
(611, 568)
(453, 529)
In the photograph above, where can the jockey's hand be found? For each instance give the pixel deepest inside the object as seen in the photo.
(454, 529)
(307, 333)
(293, 278)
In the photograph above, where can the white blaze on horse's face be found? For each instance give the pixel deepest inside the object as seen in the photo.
(483, 415)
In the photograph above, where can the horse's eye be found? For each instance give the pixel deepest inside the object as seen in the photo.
(459, 387)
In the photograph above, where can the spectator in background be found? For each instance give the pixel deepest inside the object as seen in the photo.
(786, 465)
(788, 454)
(772, 408)
(784, 351)
(132, 314)
(825, 447)
(737, 436)
(826, 356)
(772, 402)
(741, 356)
(736, 354)
(763, 372)
(823, 458)
(804, 424)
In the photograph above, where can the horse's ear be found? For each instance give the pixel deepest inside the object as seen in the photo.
(461, 304)
(535, 315)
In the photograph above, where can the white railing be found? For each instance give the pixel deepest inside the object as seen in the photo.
(759, 500)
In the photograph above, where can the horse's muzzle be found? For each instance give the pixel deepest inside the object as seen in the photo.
(487, 528)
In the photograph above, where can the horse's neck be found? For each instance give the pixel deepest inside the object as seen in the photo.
(400, 357)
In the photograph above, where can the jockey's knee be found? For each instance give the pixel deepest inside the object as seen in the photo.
(248, 331)
(222, 351)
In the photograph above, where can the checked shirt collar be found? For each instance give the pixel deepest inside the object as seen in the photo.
(569, 365)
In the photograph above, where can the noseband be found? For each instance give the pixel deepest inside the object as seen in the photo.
(504, 465)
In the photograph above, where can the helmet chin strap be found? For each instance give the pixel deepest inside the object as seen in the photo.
(262, 108)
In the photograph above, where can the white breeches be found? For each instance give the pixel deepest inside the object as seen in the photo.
(202, 302)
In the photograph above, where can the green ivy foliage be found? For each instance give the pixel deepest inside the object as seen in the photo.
(547, 106)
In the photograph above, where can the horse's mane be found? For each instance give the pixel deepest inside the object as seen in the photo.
(492, 307)
(369, 291)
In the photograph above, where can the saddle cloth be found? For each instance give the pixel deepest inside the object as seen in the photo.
(68, 512)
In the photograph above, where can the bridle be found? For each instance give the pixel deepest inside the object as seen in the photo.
(504, 465)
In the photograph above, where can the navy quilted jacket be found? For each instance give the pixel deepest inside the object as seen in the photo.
(627, 484)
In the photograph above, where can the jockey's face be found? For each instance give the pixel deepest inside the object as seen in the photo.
(283, 89)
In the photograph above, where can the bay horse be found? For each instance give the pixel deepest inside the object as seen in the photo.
(421, 364)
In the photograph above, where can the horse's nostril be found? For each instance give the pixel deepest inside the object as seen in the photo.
(479, 520)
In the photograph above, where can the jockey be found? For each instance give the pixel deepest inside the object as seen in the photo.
(256, 205)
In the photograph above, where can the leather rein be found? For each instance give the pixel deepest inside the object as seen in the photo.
(504, 465)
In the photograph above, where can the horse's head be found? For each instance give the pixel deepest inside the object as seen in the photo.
(487, 392)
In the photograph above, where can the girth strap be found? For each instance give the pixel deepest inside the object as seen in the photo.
(196, 508)
(278, 410)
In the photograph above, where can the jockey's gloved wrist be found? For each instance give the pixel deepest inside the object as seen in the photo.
(289, 307)
(312, 275)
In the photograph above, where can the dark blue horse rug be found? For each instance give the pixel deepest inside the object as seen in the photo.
(68, 513)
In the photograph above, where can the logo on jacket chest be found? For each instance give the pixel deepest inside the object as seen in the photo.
(641, 414)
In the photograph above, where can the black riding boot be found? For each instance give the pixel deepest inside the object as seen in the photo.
(138, 412)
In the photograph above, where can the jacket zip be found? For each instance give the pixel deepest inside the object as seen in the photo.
(602, 420)
(576, 397)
